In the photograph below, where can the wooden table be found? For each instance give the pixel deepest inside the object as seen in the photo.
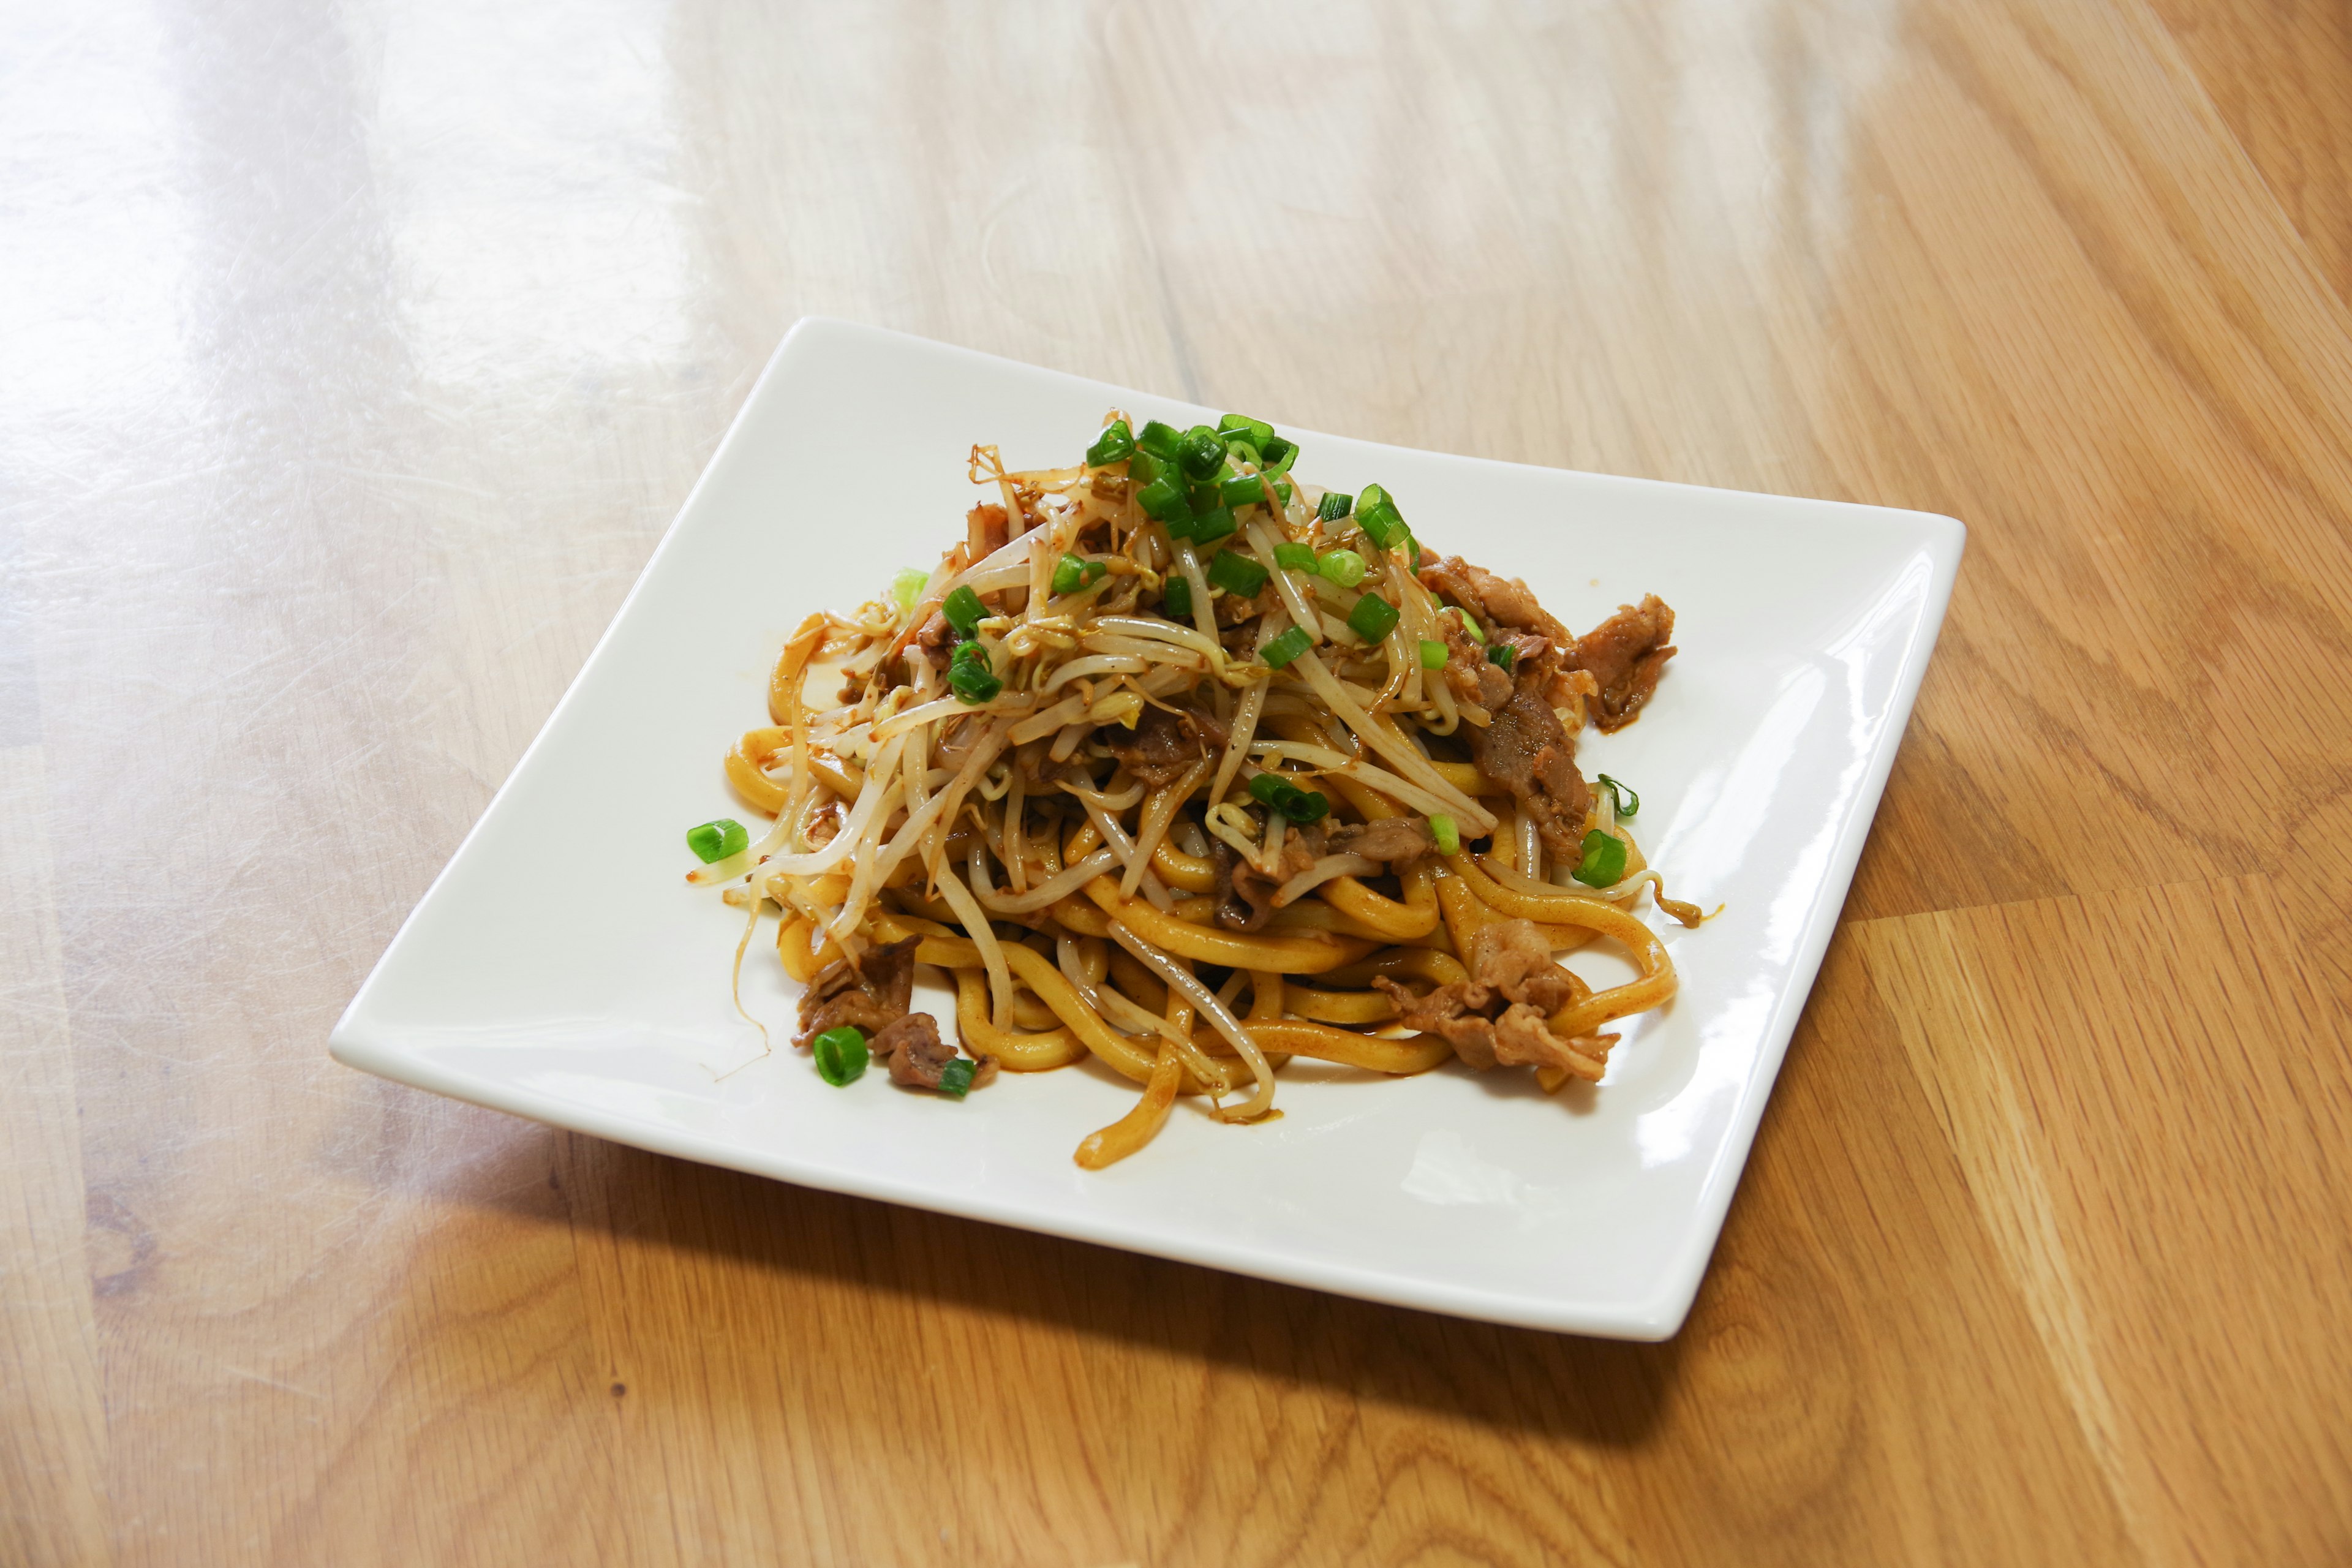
(352, 358)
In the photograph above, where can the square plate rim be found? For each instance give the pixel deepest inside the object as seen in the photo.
(356, 1042)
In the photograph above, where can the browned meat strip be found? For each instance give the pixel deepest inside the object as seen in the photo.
(1498, 1017)
(937, 639)
(1512, 959)
(1398, 839)
(1495, 601)
(1527, 752)
(1244, 898)
(1444, 1013)
(1471, 674)
(1163, 744)
(1625, 655)
(916, 1053)
(872, 996)
(1233, 610)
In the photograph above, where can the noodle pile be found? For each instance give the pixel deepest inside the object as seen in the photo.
(1139, 766)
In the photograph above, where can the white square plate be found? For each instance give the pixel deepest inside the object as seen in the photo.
(559, 969)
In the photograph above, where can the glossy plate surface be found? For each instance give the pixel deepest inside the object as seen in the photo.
(558, 968)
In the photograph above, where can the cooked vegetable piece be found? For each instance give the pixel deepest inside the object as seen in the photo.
(1603, 865)
(971, 677)
(1237, 574)
(1249, 490)
(1448, 836)
(1216, 523)
(1372, 618)
(1622, 800)
(1282, 649)
(1344, 567)
(1072, 573)
(841, 1054)
(714, 841)
(964, 612)
(1114, 444)
(1201, 453)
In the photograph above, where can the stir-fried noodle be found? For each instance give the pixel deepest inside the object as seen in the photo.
(1181, 763)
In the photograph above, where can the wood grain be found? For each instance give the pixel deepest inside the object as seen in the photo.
(357, 356)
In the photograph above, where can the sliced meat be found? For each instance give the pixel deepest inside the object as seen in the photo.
(1400, 840)
(1471, 674)
(1232, 609)
(1444, 1013)
(1245, 895)
(1528, 752)
(1163, 744)
(914, 1050)
(1495, 601)
(1500, 1015)
(1625, 655)
(1522, 1037)
(1244, 898)
(937, 639)
(872, 995)
(1513, 959)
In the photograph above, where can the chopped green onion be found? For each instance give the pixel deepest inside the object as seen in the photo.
(1448, 836)
(1160, 440)
(1603, 865)
(1200, 453)
(717, 840)
(1344, 567)
(1072, 573)
(1503, 657)
(1164, 498)
(1249, 490)
(1433, 654)
(906, 586)
(1294, 557)
(1275, 455)
(1114, 444)
(1143, 467)
(1237, 574)
(1469, 624)
(1211, 525)
(1335, 505)
(1257, 431)
(842, 1056)
(955, 1078)
(1618, 797)
(1274, 791)
(964, 611)
(971, 677)
(1205, 497)
(1372, 618)
(1176, 598)
(1380, 521)
(1371, 495)
(1293, 642)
